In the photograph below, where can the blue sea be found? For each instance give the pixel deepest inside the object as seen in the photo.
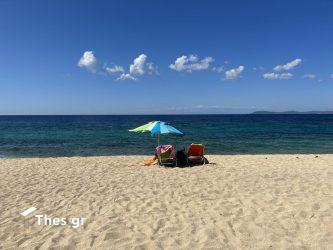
(51, 136)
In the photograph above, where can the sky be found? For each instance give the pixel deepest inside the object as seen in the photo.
(165, 57)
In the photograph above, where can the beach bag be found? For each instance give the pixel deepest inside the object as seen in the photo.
(181, 158)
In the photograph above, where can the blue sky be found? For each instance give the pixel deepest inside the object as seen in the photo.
(165, 57)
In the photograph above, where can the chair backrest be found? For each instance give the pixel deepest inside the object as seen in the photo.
(165, 151)
(196, 150)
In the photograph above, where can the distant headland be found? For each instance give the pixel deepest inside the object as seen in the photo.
(292, 113)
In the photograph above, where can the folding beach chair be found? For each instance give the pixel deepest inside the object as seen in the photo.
(195, 154)
(166, 155)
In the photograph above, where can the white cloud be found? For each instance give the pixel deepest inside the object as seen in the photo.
(115, 69)
(138, 66)
(273, 76)
(191, 63)
(234, 73)
(309, 76)
(151, 68)
(288, 65)
(127, 76)
(89, 62)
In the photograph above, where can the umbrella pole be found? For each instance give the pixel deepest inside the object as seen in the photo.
(158, 139)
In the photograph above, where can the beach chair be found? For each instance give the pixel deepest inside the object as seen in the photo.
(166, 155)
(195, 154)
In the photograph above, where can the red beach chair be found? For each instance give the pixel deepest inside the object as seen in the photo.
(195, 154)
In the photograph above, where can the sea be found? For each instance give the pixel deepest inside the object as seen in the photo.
(103, 135)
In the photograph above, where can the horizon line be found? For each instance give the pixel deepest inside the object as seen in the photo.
(166, 114)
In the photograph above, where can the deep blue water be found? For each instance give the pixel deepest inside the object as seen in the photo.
(26, 136)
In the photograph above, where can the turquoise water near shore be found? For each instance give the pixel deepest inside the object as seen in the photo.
(48, 136)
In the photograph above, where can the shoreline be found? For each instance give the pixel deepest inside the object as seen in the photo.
(147, 156)
(238, 201)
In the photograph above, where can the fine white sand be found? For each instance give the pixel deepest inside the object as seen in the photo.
(240, 202)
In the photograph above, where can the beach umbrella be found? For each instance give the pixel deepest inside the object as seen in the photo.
(157, 128)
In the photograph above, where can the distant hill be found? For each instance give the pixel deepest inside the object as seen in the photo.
(292, 113)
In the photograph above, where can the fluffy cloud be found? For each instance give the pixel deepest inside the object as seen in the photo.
(151, 68)
(273, 76)
(139, 67)
(234, 73)
(89, 62)
(114, 69)
(126, 77)
(309, 76)
(191, 63)
(288, 65)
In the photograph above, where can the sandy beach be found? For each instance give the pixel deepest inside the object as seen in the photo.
(237, 202)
